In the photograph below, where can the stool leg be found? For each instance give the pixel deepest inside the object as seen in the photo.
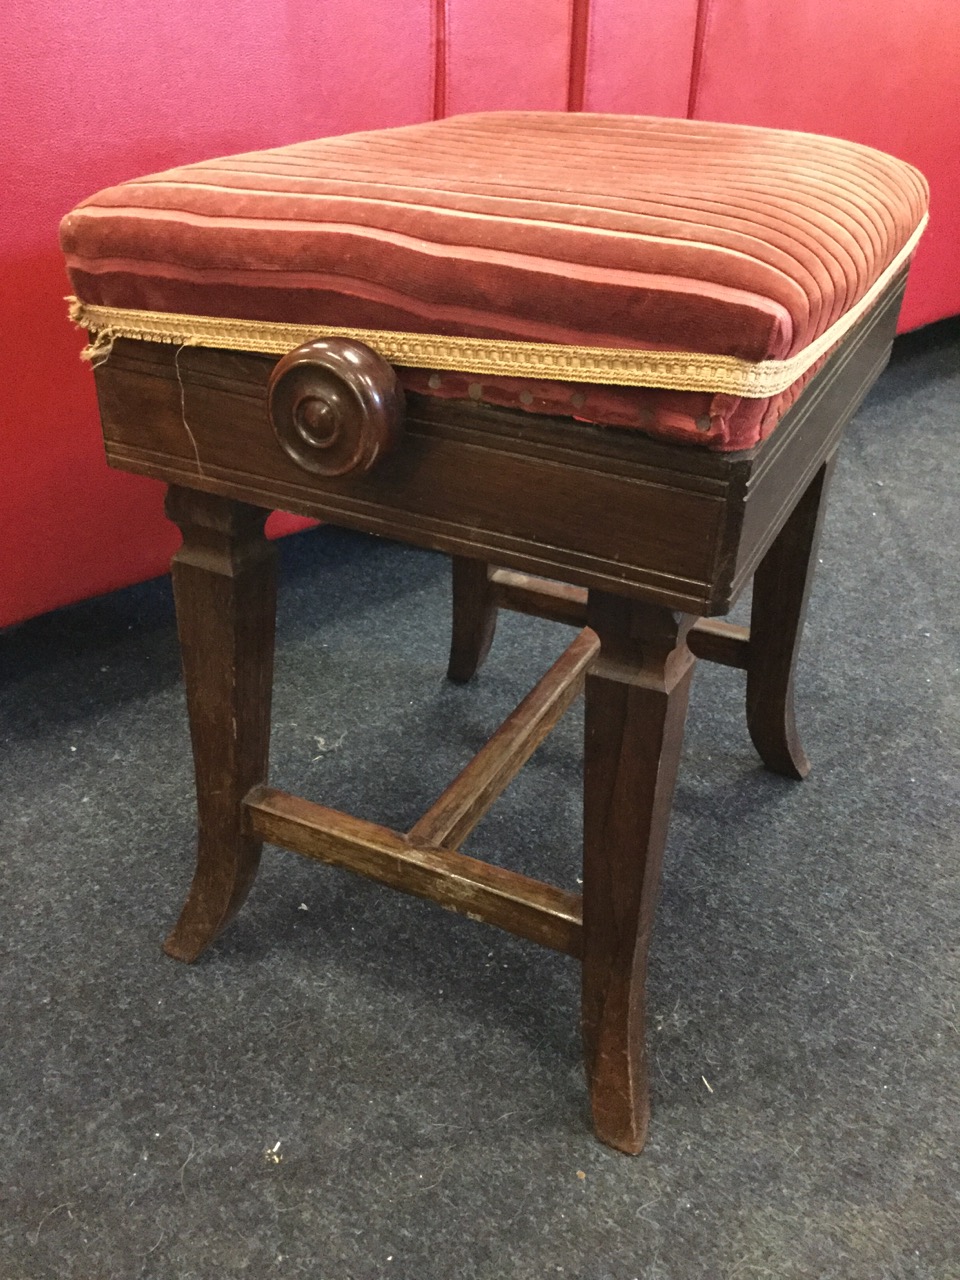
(636, 702)
(781, 587)
(474, 617)
(224, 581)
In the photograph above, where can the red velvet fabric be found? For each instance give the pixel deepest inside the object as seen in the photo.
(882, 72)
(590, 229)
(722, 422)
(593, 230)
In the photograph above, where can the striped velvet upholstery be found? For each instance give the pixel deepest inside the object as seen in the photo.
(587, 230)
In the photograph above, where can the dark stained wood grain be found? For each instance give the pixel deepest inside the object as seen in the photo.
(474, 618)
(476, 889)
(592, 506)
(781, 589)
(636, 701)
(577, 503)
(710, 638)
(461, 806)
(784, 465)
(588, 525)
(336, 406)
(540, 597)
(725, 643)
(224, 582)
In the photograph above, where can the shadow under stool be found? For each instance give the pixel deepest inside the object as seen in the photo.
(641, 533)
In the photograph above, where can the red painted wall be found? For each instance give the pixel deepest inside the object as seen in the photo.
(95, 91)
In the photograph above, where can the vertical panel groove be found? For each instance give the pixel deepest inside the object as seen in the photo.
(579, 34)
(439, 59)
(699, 40)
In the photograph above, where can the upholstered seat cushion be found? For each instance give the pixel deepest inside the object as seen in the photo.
(629, 234)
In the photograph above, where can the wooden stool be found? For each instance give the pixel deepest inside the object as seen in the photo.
(639, 536)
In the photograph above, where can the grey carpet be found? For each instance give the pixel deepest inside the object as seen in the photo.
(353, 1084)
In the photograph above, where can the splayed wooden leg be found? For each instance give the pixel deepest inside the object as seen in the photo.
(781, 589)
(224, 581)
(636, 702)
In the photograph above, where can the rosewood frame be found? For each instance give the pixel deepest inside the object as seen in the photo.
(636, 542)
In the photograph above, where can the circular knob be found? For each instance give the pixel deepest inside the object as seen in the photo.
(335, 406)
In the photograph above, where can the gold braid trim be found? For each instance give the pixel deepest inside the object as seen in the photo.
(496, 357)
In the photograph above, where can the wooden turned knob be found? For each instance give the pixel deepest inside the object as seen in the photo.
(335, 405)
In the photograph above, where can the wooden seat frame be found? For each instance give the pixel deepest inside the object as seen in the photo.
(639, 543)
